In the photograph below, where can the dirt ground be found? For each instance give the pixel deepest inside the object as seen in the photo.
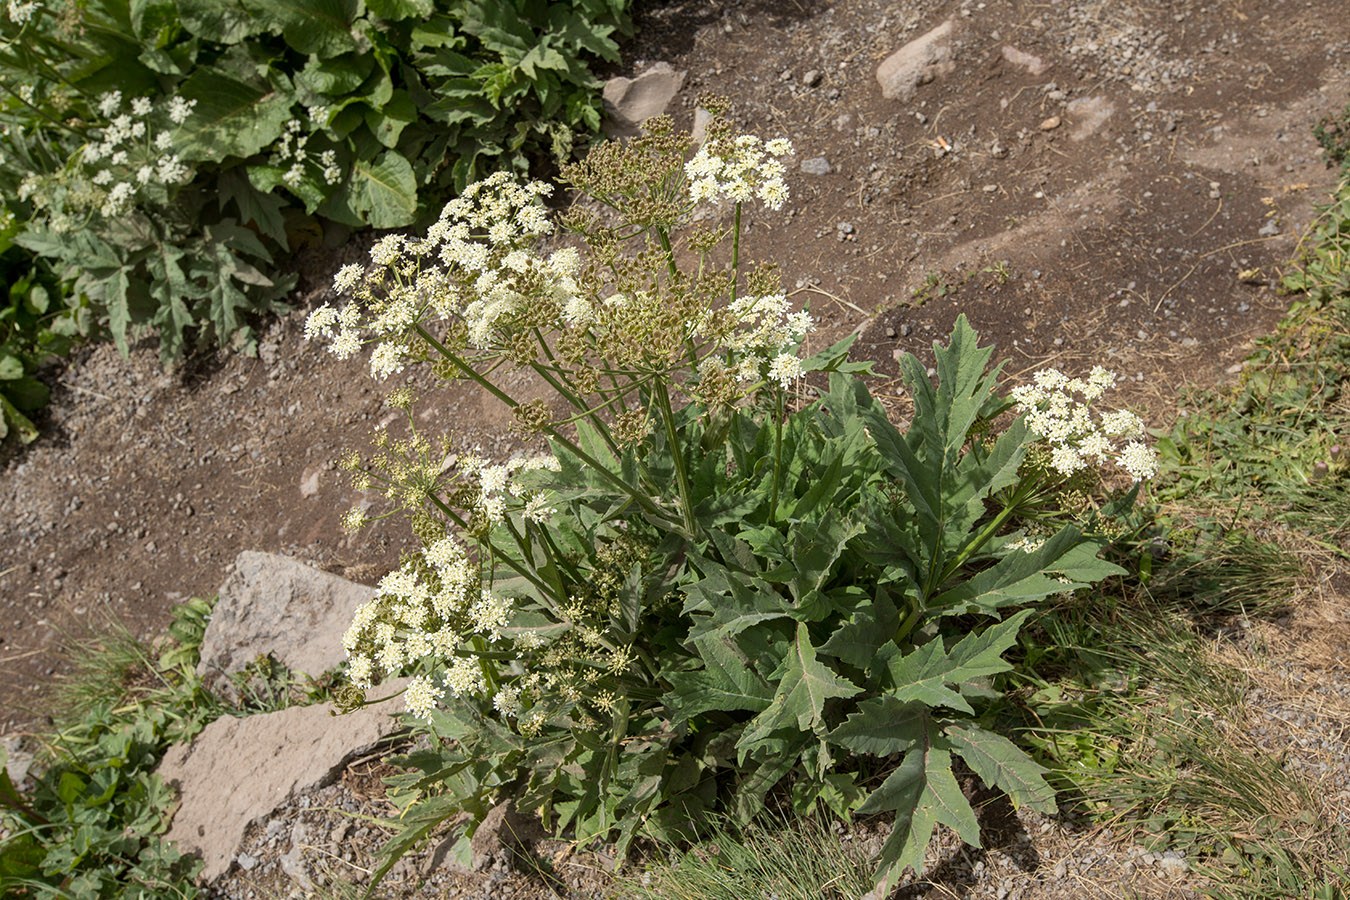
(1127, 197)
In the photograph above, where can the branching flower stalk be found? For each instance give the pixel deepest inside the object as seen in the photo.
(479, 294)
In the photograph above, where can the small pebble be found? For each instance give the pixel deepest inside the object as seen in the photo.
(1050, 124)
(816, 165)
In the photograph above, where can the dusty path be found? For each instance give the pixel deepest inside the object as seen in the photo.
(1180, 156)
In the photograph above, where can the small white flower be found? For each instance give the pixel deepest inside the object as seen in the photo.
(420, 697)
(1139, 460)
(386, 360)
(785, 369)
(180, 109)
(347, 277)
(141, 106)
(108, 101)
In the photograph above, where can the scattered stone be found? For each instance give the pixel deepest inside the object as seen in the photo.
(1090, 113)
(502, 837)
(1189, 342)
(699, 131)
(906, 330)
(1173, 863)
(918, 62)
(17, 761)
(309, 481)
(1270, 229)
(811, 78)
(246, 862)
(293, 862)
(631, 101)
(1023, 60)
(1050, 124)
(276, 605)
(890, 332)
(816, 165)
(989, 188)
(237, 771)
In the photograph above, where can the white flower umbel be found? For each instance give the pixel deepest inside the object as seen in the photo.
(1058, 409)
(739, 168)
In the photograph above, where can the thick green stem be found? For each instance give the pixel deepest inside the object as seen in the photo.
(736, 253)
(677, 454)
(578, 403)
(664, 238)
(985, 534)
(638, 497)
(777, 455)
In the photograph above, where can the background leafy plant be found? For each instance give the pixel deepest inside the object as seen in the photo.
(401, 103)
(39, 319)
(92, 824)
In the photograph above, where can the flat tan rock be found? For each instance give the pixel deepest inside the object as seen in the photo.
(918, 62)
(631, 101)
(238, 771)
(280, 606)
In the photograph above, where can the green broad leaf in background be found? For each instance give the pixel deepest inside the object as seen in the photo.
(398, 10)
(383, 191)
(232, 117)
(222, 21)
(10, 417)
(255, 204)
(927, 674)
(1002, 764)
(319, 27)
(921, 793)
(805, 685)
(387, 122)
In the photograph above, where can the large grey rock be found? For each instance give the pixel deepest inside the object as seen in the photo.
(631, 101)
(918, 62)
(273, 604)
(238, 771)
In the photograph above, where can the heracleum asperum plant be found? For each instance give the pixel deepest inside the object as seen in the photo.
(703, 592)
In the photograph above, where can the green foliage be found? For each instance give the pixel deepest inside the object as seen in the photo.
(92, 825)
(1323, 267)
(39, 319)
(1143, 723)
(1274, 447)
(692, 607)
(1333, 133)
(256, 118)
(793, 859)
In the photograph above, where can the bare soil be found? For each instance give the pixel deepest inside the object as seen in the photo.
(1132, 204)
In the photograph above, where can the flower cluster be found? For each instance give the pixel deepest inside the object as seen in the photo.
(763, 346)
(739, 168)
(479, 269)
(434, 614)
(20, 11)
(290, 148)
(128, 163)
(1059, 409)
